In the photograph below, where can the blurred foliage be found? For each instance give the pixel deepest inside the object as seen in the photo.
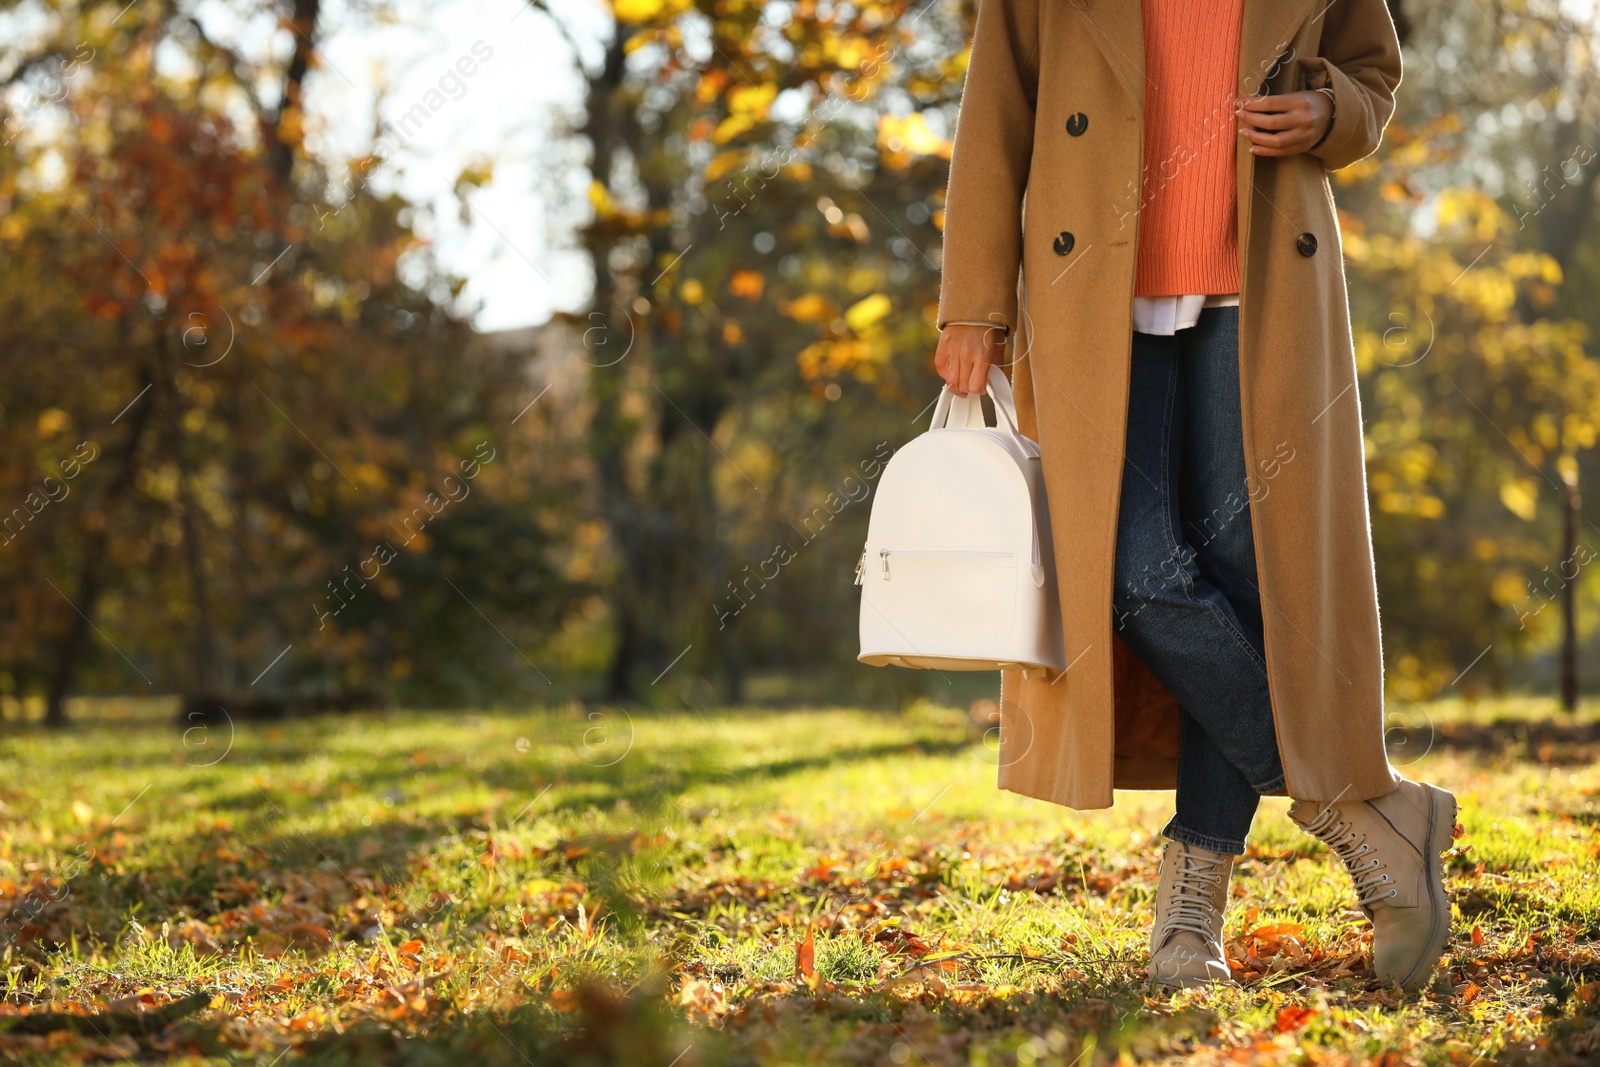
(1471, 295)
(266, 399)
(766, 189)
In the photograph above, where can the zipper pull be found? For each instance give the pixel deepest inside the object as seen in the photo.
(861, 568)
(883, 554)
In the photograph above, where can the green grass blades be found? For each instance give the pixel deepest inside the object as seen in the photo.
(587, 885)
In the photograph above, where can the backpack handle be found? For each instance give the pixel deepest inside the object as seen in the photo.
(966, 412)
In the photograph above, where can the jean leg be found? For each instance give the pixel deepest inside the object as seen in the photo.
(1216, 490)
(1175, 620)
(1215, 802)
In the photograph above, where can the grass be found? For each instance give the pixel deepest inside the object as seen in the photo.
(588, 886)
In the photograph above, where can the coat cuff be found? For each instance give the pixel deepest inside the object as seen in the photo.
(997, 308)
(1353, 134)
(996, 320)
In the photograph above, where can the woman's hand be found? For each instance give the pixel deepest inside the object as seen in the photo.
(1285, 125)
(965, 353)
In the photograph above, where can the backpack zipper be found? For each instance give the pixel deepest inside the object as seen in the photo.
(884, 553)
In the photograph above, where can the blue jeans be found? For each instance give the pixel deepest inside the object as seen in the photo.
(1184, 597)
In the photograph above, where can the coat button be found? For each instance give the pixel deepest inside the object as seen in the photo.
(1307, 244)
(1063, 243)
(1077, 124)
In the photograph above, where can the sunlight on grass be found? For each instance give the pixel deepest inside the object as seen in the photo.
(590, 885)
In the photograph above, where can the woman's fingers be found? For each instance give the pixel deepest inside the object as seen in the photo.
(1278, 144)
(1273, 112)
(964, 355)
(1282, 125)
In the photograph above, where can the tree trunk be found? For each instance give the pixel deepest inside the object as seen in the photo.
(282, 141)
(608, 434)
(87, 592)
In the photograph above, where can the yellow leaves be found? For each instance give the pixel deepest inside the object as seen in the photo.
(752, 100)
(158, 483)
(849, 52)
(722, 163)
(813, 307)
(634, 12)
(51, 422)
(731, 127)
(901, 138)
(639, 40)
(749, 284)
(692, 292)
(1535, 265)
(1396, 192)
(865, 314)
(828, 359)
(711, 84)
(600, 199)
(82, 812)
(747, 105)
(1472, 212)
(1422, 505)
(1520, 496)
(1357, 172)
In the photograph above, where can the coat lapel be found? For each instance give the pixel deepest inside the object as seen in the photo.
(1117, 26)
(1269, 26)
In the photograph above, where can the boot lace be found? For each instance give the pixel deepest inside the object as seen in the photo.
(1192, 906)
(1371, 878)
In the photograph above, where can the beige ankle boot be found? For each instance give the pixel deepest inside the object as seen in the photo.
(1391, 845)
(1186, 941)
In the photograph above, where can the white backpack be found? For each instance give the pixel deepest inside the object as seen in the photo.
(958, 574)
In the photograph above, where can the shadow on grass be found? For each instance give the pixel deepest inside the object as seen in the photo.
(1552, 743)
(601, 1029)
(216, 866)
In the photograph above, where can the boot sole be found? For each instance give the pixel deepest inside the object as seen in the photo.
(1441, 832)
(1191, 981)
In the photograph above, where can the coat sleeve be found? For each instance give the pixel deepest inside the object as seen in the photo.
(989, 167)
(1360, 62)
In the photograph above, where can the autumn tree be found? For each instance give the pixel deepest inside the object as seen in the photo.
(294, 447)
(764, 201)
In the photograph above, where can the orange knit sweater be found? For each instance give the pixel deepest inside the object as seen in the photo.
(1188, 236)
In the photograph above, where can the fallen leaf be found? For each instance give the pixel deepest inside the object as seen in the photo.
(805, 959)
(308, 935)
(1293, 1017)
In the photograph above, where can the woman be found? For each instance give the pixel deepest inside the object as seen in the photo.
(1180, 347)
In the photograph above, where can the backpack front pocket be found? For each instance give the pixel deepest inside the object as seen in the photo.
(938, 599)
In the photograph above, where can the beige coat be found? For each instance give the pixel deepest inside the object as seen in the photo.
(1053, 108)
